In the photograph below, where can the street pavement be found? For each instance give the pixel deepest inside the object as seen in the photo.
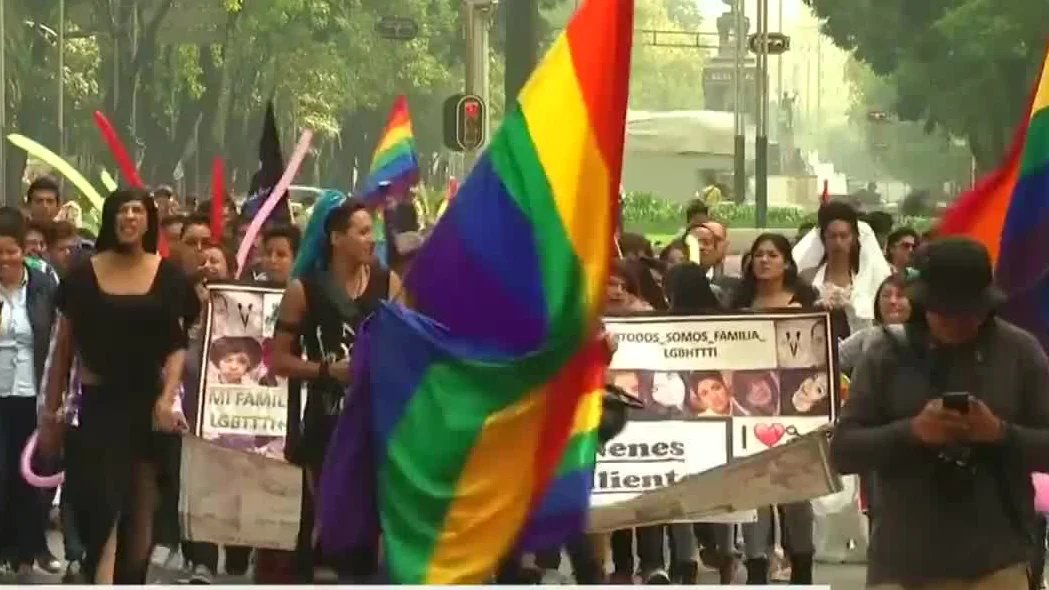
(840, 577)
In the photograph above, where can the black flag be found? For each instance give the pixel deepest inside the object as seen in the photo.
(271, 167)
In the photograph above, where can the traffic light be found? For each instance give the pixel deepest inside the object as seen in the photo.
(464, 122)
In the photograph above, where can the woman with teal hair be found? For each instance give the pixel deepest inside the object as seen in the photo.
(336, 285)
(313, 251)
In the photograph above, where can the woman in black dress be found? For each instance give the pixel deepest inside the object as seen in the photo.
(124, 311)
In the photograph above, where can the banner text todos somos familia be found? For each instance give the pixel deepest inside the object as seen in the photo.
(716, 388)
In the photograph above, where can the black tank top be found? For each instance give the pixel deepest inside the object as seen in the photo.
(329, 332)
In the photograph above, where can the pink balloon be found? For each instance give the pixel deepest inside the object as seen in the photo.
(1041, 491)
(271, 201)
(51, 481)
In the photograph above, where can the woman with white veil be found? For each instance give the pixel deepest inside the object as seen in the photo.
(842, 259)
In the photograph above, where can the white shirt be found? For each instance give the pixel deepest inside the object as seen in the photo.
(16, 343)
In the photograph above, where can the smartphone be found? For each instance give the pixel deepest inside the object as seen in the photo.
(957, 401)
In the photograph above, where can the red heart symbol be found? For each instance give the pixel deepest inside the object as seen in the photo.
(769, 434)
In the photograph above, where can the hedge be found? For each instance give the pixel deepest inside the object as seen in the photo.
(646, 213)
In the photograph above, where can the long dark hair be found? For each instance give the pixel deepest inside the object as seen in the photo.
(107, 232)
(747, 290)
(839, 211)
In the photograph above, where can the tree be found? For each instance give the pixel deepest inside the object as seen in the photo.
(661, 78)
(684, 13)
(871, 148)
(665, 78)
(965, 66)
(182, 101)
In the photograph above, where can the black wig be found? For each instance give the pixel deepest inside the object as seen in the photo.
(107, 232)
(839, 211)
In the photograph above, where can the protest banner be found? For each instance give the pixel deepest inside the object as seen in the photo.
(241, 404)
(792, 472)
(231, 497)
(716, 389)
(235, 487)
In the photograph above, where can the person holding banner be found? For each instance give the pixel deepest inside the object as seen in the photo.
(338, 285)
(770, 281)
(124, 313)
(218, 263)
(280, 244)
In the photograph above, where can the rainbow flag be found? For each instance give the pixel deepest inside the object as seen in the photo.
(395, 160)
(1009, 213)
(482, 404)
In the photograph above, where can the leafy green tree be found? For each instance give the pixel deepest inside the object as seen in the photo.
(185, 100)
(661, 78)
(965, 66)
(890, 148)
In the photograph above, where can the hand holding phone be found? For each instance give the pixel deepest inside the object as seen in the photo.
(957, 401)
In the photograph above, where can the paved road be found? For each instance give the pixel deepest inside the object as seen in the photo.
(840, 577)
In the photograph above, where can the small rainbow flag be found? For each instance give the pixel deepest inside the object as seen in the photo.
(395, 164)
(1009, 213)
(482, 405)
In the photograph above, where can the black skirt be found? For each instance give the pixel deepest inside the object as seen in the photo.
(115, 434)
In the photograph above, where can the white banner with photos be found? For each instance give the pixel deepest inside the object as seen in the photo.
(716, 389)
(241, 403)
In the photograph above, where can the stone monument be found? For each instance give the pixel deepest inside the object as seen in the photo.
(719, 76)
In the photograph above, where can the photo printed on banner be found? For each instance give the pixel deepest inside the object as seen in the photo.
(242, 405)
(801, 343)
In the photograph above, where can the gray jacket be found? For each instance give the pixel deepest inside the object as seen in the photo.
(932, 524)
(40, 304)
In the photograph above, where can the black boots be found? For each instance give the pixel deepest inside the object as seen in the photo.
(801, 568)
(757, 572)
(685, 573)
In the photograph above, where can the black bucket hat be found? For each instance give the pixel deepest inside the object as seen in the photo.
(955, 277)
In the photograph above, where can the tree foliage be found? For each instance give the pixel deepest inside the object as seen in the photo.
(666, 78)
(186, 101)
(661, 78)
(180, 99)
(965, 66)
(902, 150)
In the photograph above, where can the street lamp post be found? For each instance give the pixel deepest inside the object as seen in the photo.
(761, 140)
(739, 184)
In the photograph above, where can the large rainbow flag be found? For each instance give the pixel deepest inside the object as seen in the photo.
(483, 403)
(395, 164)
(1009, 213)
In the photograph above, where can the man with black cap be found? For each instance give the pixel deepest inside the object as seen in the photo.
(950, 414)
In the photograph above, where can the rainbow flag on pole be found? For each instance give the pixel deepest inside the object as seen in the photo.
(1009, 213)
(396, 161)
(483, 403)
